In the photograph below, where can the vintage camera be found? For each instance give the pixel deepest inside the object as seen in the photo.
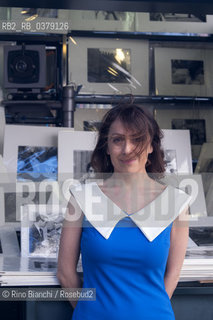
(24, 67)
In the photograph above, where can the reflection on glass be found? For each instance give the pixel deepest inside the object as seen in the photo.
(177, 17)
(109, 65)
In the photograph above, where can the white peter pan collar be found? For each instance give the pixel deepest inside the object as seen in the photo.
(104, 214)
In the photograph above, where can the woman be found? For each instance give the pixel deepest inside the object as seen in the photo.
(128, 227)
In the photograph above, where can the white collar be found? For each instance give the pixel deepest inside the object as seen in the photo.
(104, 214)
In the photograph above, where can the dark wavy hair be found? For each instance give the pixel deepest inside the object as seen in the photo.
(145, 129)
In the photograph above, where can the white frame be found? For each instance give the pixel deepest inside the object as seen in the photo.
(77, 62)
(16, 135)
(19, 187)
(194, 182)
(9, 242)
(78, 22)
(68, 141)
(63, 16)
(163, 72)
(144, 24)
(179, 140)
(28, 214)
(206, 153)
(3, 172)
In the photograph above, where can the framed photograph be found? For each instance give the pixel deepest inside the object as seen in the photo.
(91, 125)
(205, 160)
(14, 195)
(37, 163)
(74, 154)
(30, 152)
(177, 147)
(209, 196)
(202, 236)
(183, 72)
(9, 245)
(191, 184)
(40, 230)
(42, 15)
(4, 178)
(92, 118)
(173, 22)
(101, 20)
(109, 66)
(197, 128)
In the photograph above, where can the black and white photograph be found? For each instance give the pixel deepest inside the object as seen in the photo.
(45, 265)
(177, 17)
(170, 159)
(40, 231)
(37, 163)
(44, 236)
(187, 72)
(14, 200)
(177, 23)
(177, 148)
(82, 166)
(183, 72)
(33, 13)
(102, 20)
(74, 156)
(105, 15)
(197, 129)
(202, 236)
(109, 65)
(92, 125)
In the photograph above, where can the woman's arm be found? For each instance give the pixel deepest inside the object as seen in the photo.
(69, 249)
(177, 251)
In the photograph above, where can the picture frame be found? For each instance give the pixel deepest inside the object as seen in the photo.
(14, 195)
(197, 128)
(43, 15)
(193, 185)
(4, 178)
(205, 160)
(183, 72)
(29, 136)
(9, 245)
(209, 197)
(172, 23)
(96, 114)
(40, 230)
(179, 141)
(91, 125)
(93, 64)
(102, 20)
(72, 160)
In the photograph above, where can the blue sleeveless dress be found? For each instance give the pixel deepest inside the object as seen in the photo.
(127, 271)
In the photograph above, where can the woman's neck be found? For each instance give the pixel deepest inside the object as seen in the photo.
(129, 180)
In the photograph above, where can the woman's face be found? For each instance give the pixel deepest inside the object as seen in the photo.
(121, 145)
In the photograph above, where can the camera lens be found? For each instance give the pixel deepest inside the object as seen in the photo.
(21, 66)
